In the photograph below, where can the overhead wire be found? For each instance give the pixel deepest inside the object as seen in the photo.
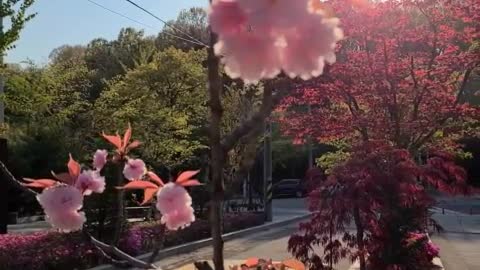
(167, 24)
(144, 24)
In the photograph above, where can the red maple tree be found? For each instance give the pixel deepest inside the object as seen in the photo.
(401, 75)
(396, 93)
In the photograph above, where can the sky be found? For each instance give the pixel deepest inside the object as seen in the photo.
(73, 22)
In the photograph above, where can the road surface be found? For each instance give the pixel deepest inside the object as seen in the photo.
(267, 244)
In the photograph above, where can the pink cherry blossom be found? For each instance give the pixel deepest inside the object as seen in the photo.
(259, 38)
(276, 14)
(61, 204)
(90, 181)
(172, 197)
(307, 60)
(178, 218)
(246, 64)
(60, 198)
(67, 221)
(228, 17)
(134, 169)
(100, 159)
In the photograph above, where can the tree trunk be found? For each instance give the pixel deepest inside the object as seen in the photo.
(119, 218)
(360, 243)
(217, 154)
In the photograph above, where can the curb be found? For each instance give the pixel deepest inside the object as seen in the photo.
(188, 247)
(436, 262)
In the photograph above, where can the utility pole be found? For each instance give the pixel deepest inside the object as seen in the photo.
(3, 145)
(267, 171)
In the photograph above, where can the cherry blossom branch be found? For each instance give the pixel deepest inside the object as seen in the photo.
(127, 260)
(159, 245)
(14, 181)
(104, 248)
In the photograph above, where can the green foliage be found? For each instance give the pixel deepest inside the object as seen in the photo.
(45, 108)
(330, 160)
(164, 101)
(18, 18)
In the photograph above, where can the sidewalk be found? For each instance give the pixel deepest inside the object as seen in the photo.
(31, 227)
(460, 242)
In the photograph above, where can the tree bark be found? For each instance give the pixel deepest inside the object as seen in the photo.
(217, 153)
(119, 218)
(360, 243)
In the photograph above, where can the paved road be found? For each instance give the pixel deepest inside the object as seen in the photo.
(460, 243)
(268, 244)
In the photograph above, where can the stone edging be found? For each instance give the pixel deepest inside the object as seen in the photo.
(188, 247)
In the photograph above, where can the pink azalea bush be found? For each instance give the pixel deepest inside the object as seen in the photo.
(73, 251)
(257, 39)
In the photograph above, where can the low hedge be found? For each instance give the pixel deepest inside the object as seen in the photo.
(51, 250)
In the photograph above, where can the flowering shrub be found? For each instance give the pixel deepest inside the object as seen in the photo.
(64, 250)
(46, 250)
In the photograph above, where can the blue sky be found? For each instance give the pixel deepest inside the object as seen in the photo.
(78, 21)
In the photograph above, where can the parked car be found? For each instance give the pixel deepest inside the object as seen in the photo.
(289, 187)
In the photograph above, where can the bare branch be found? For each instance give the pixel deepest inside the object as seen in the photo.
(132, 261)
(461, 91)
(159, 245)
(268, 104)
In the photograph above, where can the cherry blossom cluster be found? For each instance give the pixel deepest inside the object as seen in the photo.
(63, 199)
(257, 39)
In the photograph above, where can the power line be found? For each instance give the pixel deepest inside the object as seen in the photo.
(166, 23)
(120, 14)
(146, 25)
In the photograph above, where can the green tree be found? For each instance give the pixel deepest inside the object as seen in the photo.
(190, 24)
(18, 18)
(108, 59)
(164, 100)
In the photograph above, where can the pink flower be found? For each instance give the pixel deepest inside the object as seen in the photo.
(60, 198)
(246, 64)
(90, 181)
(100, 159)
(228, 17)
(259, 38)
(61, 204)
(172, 197)
(277, 14)
(134, 169)
(178, 218)
(306, 58)
(67, 221)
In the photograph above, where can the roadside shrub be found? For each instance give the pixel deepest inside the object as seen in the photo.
(50, 250)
